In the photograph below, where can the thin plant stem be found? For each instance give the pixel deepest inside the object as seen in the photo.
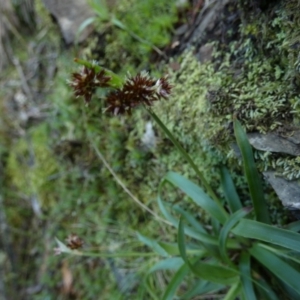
(112, 255)
(116, 177)
(185, 155)
(119, 181)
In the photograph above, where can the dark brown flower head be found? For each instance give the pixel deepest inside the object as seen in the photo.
(74, 241)
(163, 88)
(86, 82)
(141, 89)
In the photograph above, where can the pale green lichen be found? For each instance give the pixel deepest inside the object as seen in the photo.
(255, 80)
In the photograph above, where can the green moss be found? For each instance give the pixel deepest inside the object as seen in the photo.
(254, 78)
(30, 165)
(146, 25)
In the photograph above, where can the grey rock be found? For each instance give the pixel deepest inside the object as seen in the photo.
(205, 53)
(273, 142)
(294, 137)
(287, 191)
(70, 14)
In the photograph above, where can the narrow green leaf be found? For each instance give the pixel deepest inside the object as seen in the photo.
(289, 292)
(151, 289)
(152, 244)
(295, 226)
(245, 270)
(171, 263)
(181, 241)
(264, 290)
(175, 283)
(118, 23)
(228, 187)
(252, 176)
(215, 272)
(230, 223)
(100, 8)
(82, 26)
(233, 292)
(62, 247)
(203, 237)
(164, 210)
(277, 266)
(202, 287)
(172, 249)
(267, 233)
(190, 219)
(211, 272)
(216, 226)
(198, 196)
(186, 156)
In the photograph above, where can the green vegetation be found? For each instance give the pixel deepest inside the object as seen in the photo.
(55, 183)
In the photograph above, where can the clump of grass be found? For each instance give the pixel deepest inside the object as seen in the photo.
(223, 258)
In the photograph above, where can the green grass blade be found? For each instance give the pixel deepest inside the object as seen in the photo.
(100, 8)
(252, 176)
(190, 219)
(202, 287)
(245, 270)
(171, 263)
(197, 195)
(212, 272)
(181, 241)
(168, 216)
(215, 272)
(83, 26)
(216, 226)
(175, 283)
(152, 244)
(202, 237)
(277, 266)
(295, 226)
(230, 223)
(228, 187)
(264, 290)
(233, 292)
(172, 249)
(267, 233)
(186, 156)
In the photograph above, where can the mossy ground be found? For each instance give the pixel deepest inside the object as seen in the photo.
(255, 77)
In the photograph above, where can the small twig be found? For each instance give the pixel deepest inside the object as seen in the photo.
(118, 180)
(24, 82)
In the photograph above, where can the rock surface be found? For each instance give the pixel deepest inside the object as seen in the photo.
(70, 14)
(273, 142)
(288, 191)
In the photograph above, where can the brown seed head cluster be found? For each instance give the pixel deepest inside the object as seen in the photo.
(74, 241)
(137, 90)
(141, 89)
(86, 82)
